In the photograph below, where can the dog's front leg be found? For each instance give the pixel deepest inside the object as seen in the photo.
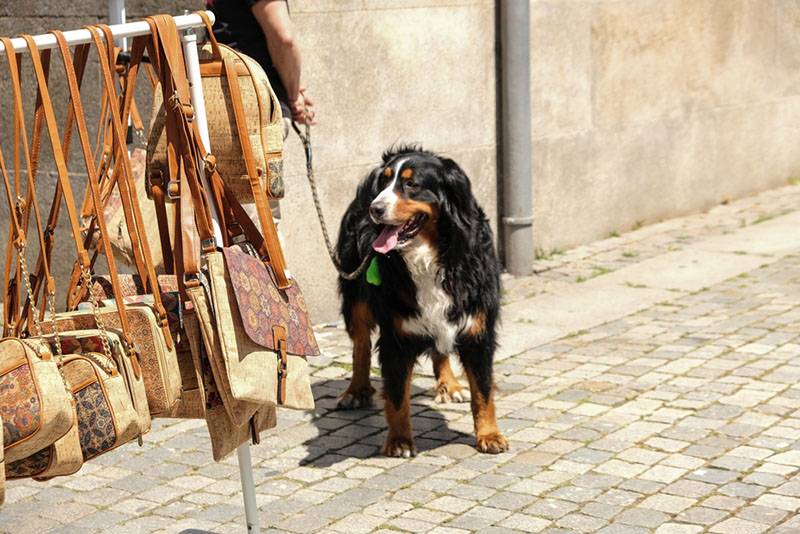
(397, 367)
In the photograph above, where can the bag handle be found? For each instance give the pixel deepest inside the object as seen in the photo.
(271, 245)
(216, 55)
(81, 56)
(123, 175)
(18, 207)
(59, 156)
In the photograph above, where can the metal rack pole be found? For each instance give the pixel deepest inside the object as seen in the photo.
(198, 102)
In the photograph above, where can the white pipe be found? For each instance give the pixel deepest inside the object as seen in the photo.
(120, 31)
(199, 104)
(117, 15)
(248, 488)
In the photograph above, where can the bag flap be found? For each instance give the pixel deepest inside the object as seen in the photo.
(262, 305)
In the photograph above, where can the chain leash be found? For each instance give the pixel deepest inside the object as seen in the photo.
(305, 138)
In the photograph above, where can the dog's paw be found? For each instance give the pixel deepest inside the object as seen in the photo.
(356, 398)
(493, 443)
(447, 392)
(399, 447)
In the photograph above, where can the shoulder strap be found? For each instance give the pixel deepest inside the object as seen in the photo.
(271, 247)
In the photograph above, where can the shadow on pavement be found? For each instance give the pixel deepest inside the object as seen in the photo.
(345, 434)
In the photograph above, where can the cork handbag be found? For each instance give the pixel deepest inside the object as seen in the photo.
(35, 407)
(225, 433)
(148, 321)
(263, 124)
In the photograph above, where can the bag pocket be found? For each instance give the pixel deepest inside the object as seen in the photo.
(272, 319)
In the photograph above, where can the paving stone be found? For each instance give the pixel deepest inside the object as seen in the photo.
(735, 525)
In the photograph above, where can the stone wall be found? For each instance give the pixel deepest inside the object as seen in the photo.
(647, 109)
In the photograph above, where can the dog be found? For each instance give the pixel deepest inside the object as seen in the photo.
(439, 290)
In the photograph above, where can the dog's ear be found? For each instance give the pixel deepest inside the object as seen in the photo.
(457, 202)
(369, 187)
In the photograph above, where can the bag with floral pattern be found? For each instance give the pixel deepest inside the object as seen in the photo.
(110, 404)
(35, 407)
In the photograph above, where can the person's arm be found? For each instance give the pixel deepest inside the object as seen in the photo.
(273, 17)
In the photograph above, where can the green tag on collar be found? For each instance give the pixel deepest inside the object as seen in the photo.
(374, 273)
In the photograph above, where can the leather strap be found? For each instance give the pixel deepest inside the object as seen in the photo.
(83, 136)
(271, 248)
(279, 336)
(132, 209)
(21, 134)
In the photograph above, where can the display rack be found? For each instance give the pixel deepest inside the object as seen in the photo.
(187, 24)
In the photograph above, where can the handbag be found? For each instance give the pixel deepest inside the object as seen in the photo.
(148, 322)
(35, 407)
(263, 126)
(225, 433)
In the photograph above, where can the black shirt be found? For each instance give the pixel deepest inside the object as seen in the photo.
(237, 27)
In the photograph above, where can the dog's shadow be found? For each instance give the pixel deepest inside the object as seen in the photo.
(360, 433)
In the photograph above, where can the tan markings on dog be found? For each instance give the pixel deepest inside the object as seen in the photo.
(447, 386)
(407, 208)
(400, 441)
(398, 326)
(407, 174)
(359, 392)
(488, 435)
(387, 172)
(478, 324)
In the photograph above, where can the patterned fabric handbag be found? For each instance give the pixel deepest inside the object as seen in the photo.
(159, 363)
(35, 407)
(93, 378)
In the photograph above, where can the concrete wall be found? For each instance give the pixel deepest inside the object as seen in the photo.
(647, 109)
(386, 71)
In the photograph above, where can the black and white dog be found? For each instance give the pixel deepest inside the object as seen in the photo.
(437, 291)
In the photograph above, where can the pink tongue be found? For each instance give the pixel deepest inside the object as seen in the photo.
(387, 240)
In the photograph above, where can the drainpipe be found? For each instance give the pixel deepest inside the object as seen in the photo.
(515, 94)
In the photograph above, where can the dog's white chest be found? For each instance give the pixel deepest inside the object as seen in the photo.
(433, 301)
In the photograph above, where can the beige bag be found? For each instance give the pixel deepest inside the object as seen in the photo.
(226, 435)
(35, 407)
(191, 405)
(159, 363)
(264, 123)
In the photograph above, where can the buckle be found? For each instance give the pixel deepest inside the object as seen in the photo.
(185, 109)
(173, 190)
(191, 280)
(208, 245)
(210, 163)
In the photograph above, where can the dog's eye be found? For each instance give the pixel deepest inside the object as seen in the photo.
(411, 186)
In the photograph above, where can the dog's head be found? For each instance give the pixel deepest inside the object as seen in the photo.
(415, 192)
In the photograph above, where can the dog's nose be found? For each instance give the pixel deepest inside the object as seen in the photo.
(377, 211)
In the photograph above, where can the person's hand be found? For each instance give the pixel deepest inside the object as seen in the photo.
(303, 109)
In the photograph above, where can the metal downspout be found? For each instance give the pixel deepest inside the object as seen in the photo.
(515, 91)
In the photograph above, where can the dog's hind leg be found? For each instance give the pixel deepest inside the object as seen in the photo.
(477, 361)
(360, 391)
(448, 388)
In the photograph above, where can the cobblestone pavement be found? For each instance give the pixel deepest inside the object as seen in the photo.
(680, 417)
